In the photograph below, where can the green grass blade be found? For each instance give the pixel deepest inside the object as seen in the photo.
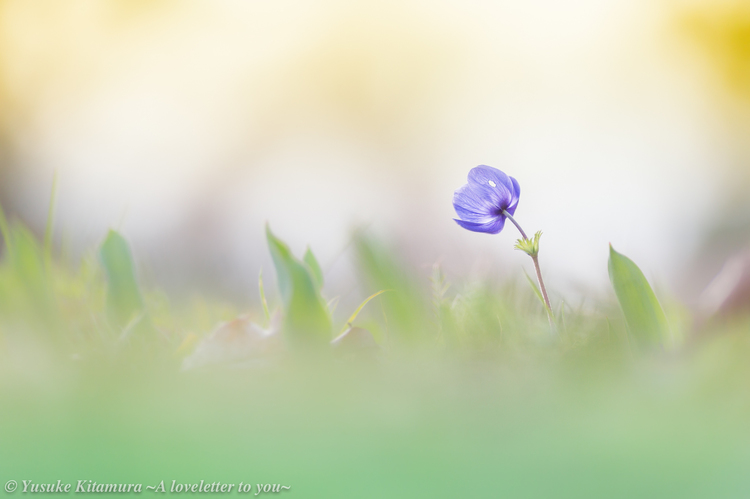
(312, 262)
(643, 313)
(405, 306)
(332, 304)
(353, 317)
(306, 319)
(263, 300)
(536, 289)
(124, 298)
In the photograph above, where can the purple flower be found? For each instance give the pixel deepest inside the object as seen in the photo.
(480, 203)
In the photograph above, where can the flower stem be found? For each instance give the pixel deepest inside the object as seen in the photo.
(535, 259)
(509, 217)
(542, 287)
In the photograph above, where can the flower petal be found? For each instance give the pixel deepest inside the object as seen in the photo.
(492, 227)
(477, 203)
(492, 179)
(515, 196)
(484, 174)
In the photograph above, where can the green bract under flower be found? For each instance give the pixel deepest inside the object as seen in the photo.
(529, 246)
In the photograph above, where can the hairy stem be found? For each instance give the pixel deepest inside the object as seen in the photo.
(509, 217)
(542, 287)
(535, 259)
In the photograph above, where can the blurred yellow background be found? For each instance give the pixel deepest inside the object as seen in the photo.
(188, 124)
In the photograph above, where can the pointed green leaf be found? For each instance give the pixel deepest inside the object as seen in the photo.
(50, 221)
(312, 262)
(123, 294)
(26, 278)
(26, 256)
(643, 313)
(5, 231)
(28, 265)
(306, 319)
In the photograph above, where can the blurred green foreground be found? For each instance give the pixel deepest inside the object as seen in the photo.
(463, 390)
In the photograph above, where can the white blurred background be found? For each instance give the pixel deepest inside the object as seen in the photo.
(189, 124)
